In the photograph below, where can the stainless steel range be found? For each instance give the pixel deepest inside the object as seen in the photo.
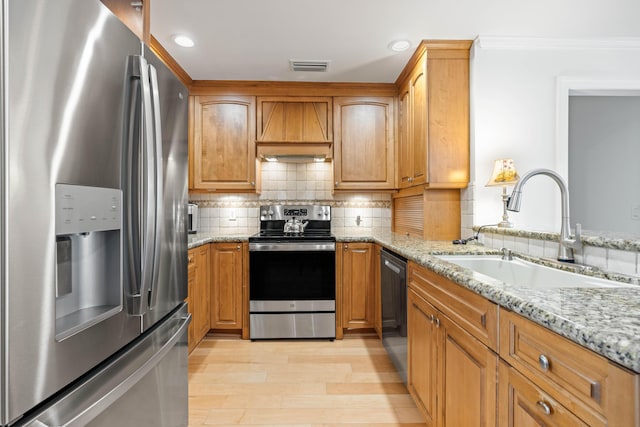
(292, 274)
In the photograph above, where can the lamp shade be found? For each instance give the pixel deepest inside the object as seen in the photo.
(504, 173)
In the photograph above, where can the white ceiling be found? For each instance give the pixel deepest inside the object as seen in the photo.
(254, 39)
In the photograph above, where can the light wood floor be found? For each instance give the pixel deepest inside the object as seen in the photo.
(297, 383)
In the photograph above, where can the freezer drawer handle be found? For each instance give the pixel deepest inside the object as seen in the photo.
(86, 414)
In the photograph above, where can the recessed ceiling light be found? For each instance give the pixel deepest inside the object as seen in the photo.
(182, 40)
(399, 45)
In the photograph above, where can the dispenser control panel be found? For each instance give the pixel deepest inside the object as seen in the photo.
(82, 209)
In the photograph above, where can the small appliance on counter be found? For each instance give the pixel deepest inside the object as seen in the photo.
(192, 212)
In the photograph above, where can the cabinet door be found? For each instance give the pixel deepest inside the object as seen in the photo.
(223, 156)
(405, 160)
(227, 286)
(191, 335)
(422, 350)
(136, 18)
(363, 137)
(419, 124)
(377, 292)
(202, 298)
(357, 286)
(468, 391)
(522, 404)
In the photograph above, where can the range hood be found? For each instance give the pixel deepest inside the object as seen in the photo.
(295, 153)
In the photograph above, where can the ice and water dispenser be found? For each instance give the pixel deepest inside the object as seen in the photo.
(88, 256)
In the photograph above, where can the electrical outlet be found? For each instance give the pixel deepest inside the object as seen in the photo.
(635, 212)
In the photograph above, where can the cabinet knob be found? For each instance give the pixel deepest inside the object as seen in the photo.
(546, 408)
(437, 322)
(346, 248)
(544, 362)
(337, 183)
(238, 247)
(253, 183)
(410, 179)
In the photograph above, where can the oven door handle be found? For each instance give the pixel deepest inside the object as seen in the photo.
(292, 246)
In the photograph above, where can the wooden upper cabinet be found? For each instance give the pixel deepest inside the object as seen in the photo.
(134, 14)
(222, 155)
(295, 119)
(434, 116)
(364, 153)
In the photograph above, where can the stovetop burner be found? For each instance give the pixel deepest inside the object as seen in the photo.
(273, 220)
(279, 235)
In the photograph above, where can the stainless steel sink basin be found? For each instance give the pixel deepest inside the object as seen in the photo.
(525, 274)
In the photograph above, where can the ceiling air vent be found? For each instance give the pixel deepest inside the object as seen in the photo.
(306, 65)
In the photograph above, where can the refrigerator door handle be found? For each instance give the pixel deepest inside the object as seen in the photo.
(148, 181)
(139, 185)
(108, 394)
(159, 188)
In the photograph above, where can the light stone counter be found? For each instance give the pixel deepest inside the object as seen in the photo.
(199, 239)
(606, 321)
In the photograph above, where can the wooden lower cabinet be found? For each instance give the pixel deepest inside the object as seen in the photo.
(227, 286)
(452, 375)
(190, 298)
(539, 378)
(522, 404)
(377, 292)
(199, 297)
(357, 284)
(594, 391)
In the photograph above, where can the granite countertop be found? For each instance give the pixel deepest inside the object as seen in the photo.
(199, 239)
(606, 321)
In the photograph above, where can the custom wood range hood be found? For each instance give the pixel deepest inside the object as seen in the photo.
(294, 129)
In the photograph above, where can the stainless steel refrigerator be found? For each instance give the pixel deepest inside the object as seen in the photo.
(93, 203)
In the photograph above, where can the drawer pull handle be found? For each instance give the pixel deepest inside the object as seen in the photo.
(595, 391)
(544, 362)
(437, 322)
(546, 408)
(432, 318)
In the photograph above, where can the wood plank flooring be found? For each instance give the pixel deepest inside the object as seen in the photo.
(297, 384)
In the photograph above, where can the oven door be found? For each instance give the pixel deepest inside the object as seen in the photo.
(292, 290)
(292, 271)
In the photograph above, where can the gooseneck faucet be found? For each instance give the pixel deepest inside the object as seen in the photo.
(566, 244)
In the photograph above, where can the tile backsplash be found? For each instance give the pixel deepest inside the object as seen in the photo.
(293, 183)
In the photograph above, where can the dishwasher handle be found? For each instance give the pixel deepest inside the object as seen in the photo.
(392, 266)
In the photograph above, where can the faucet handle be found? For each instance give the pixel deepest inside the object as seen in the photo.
(578, 235)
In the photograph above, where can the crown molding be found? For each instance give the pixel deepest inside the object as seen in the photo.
(544, 43)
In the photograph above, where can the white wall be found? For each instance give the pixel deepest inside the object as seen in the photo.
(513, 114)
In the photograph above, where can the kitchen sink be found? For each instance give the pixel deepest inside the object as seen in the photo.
(525, 274)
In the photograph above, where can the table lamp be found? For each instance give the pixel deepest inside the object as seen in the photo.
(504, 173)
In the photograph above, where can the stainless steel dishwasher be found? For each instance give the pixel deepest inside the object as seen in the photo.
(393, 275)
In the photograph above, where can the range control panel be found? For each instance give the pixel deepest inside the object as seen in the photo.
(82, 209)
(284, 212)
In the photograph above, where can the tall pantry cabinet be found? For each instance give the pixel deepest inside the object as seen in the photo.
(433, 140)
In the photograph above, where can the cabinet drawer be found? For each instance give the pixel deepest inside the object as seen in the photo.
(522, 403)
(573, 374)
(475, 314)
